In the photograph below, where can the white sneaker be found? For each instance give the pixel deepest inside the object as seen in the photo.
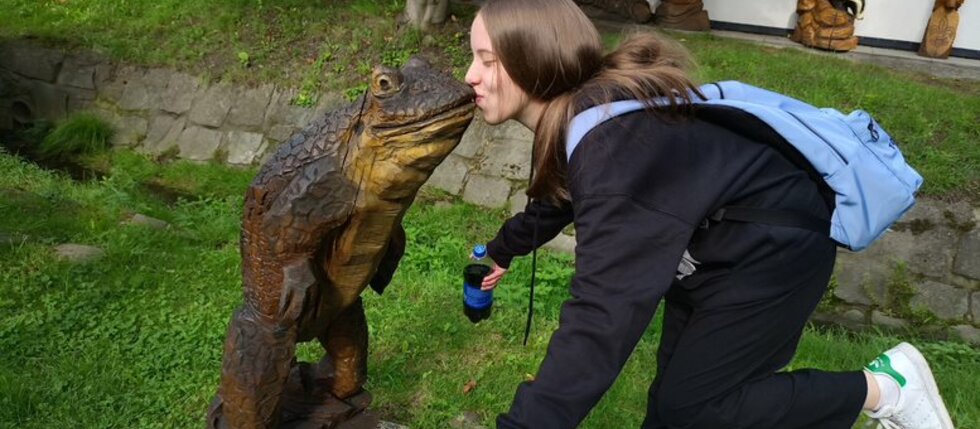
(919, 404)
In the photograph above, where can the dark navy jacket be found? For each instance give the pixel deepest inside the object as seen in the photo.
(641, 187)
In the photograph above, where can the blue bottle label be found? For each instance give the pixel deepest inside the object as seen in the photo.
(476, 298)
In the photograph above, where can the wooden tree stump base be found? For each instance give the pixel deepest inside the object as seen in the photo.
(308, 404)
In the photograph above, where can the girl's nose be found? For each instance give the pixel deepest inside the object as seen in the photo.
(471, 78)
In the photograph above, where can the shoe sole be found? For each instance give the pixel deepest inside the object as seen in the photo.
(922, 367)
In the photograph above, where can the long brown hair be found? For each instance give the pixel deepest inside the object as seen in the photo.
(554, 54)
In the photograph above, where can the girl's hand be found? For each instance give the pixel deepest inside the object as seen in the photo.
(491, 280)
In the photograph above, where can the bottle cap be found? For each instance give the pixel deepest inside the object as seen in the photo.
(479, 251)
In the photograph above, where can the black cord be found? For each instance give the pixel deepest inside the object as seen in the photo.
(534, 269)
(534, 253)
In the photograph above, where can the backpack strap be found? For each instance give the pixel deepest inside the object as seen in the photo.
(776, 217)
(733, 119)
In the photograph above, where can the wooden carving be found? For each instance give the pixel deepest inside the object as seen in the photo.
(941, 31)
(322, 221)
(827, 24)
(636, 10)
(683, 15)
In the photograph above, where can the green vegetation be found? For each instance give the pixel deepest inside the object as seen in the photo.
(135, 339)
(80, 135)
(309, 44)
(332, 46)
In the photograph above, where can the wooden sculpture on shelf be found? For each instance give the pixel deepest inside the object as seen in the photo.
(321, 222)
(636, 10)
(682, 15)
(941, 31)
(827, 24)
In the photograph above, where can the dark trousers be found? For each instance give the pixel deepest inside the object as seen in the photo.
(727, 332)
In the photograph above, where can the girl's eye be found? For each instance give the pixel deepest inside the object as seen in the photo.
(489, 63)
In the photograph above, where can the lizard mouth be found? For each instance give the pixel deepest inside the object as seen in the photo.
(453, 118)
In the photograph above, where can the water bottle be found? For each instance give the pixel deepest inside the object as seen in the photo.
(477, 303)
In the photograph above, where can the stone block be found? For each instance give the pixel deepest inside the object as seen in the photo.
(562, 243)
(517, 202)
(281, 133)
(507, 158)
(77, 75)
(249, 109)
(79, 253)
(328, 103)
(198, 143)
(31, 61)
(129, 130)
(486, 191)
(103, 75)
(243, 147)
(147, 221)
(967, 333)
(157, 78)
(283, 112)
(50, 102)
(858, 274)
(113, 88)
(945, 301)
(138, 95)
(511, 130)
(212, 106)
(449, 175)
(164, 132)
(180, 93)
(270, 150)
(880, 319)
(959, 215)
(928, 252)
(79, 98)
(852, 319)
(975, 307)
(967, 261)
(474, 138)
(925, 210)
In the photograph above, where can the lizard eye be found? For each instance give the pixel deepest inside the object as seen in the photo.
(385, 81)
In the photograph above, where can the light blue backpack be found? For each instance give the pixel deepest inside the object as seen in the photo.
(872, 184)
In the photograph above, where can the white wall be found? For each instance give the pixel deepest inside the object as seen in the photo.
(903, 20)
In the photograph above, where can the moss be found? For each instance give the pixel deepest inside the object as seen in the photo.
(966, 226)
(220, 157)
(916, 226)
(898, 300)
(168, 155)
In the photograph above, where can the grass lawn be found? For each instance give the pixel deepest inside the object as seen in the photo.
(135, 339)
(322, 46)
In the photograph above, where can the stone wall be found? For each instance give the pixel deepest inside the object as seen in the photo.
(153, 110)
(924, 275)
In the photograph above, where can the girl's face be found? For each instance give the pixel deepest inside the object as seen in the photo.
(498, 97)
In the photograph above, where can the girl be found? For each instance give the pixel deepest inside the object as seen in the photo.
(639, 189)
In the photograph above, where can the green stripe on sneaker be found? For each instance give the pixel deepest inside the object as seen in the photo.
(883, 365)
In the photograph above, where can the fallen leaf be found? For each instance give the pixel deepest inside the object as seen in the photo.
(469, 386)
